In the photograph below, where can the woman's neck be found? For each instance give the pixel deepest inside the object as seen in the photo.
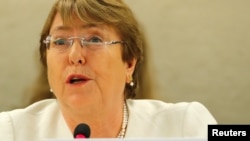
(104, 122)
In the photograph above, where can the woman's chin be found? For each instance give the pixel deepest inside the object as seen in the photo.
(76, 100)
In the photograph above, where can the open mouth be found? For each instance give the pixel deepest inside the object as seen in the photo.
(76, 79)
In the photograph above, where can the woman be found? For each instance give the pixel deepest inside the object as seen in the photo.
(92, 51)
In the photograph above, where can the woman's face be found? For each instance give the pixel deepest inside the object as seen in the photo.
(86, 75)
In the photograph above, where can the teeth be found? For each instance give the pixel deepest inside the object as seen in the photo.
(76, 80)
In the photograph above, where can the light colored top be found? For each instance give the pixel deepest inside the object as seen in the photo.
(147, 118)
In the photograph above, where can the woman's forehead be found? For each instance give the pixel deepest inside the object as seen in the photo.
(59, 25)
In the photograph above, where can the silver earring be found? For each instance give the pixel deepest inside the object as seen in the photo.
(51, 90)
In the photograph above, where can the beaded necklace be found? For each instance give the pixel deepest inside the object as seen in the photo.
(124, 122)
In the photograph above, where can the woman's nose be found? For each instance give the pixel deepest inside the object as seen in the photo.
(76, 54)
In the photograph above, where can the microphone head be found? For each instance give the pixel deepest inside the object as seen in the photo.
(82, 130)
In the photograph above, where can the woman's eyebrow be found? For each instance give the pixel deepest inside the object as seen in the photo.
(92, 26)
(68, 27)
(60, 28)
(88, 26)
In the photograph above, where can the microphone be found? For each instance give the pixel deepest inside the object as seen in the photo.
(82, 130)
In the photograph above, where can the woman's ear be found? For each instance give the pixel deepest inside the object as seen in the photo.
(130, 70)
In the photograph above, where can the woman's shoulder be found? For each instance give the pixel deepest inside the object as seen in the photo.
(179, 109)
(43, 115)
(182, 119)
(159, 105)
(34, 110)
(41, 106)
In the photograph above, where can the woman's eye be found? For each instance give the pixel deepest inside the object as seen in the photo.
(95, 40)
(60, 42)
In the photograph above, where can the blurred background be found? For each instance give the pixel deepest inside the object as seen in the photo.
(199, 51)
